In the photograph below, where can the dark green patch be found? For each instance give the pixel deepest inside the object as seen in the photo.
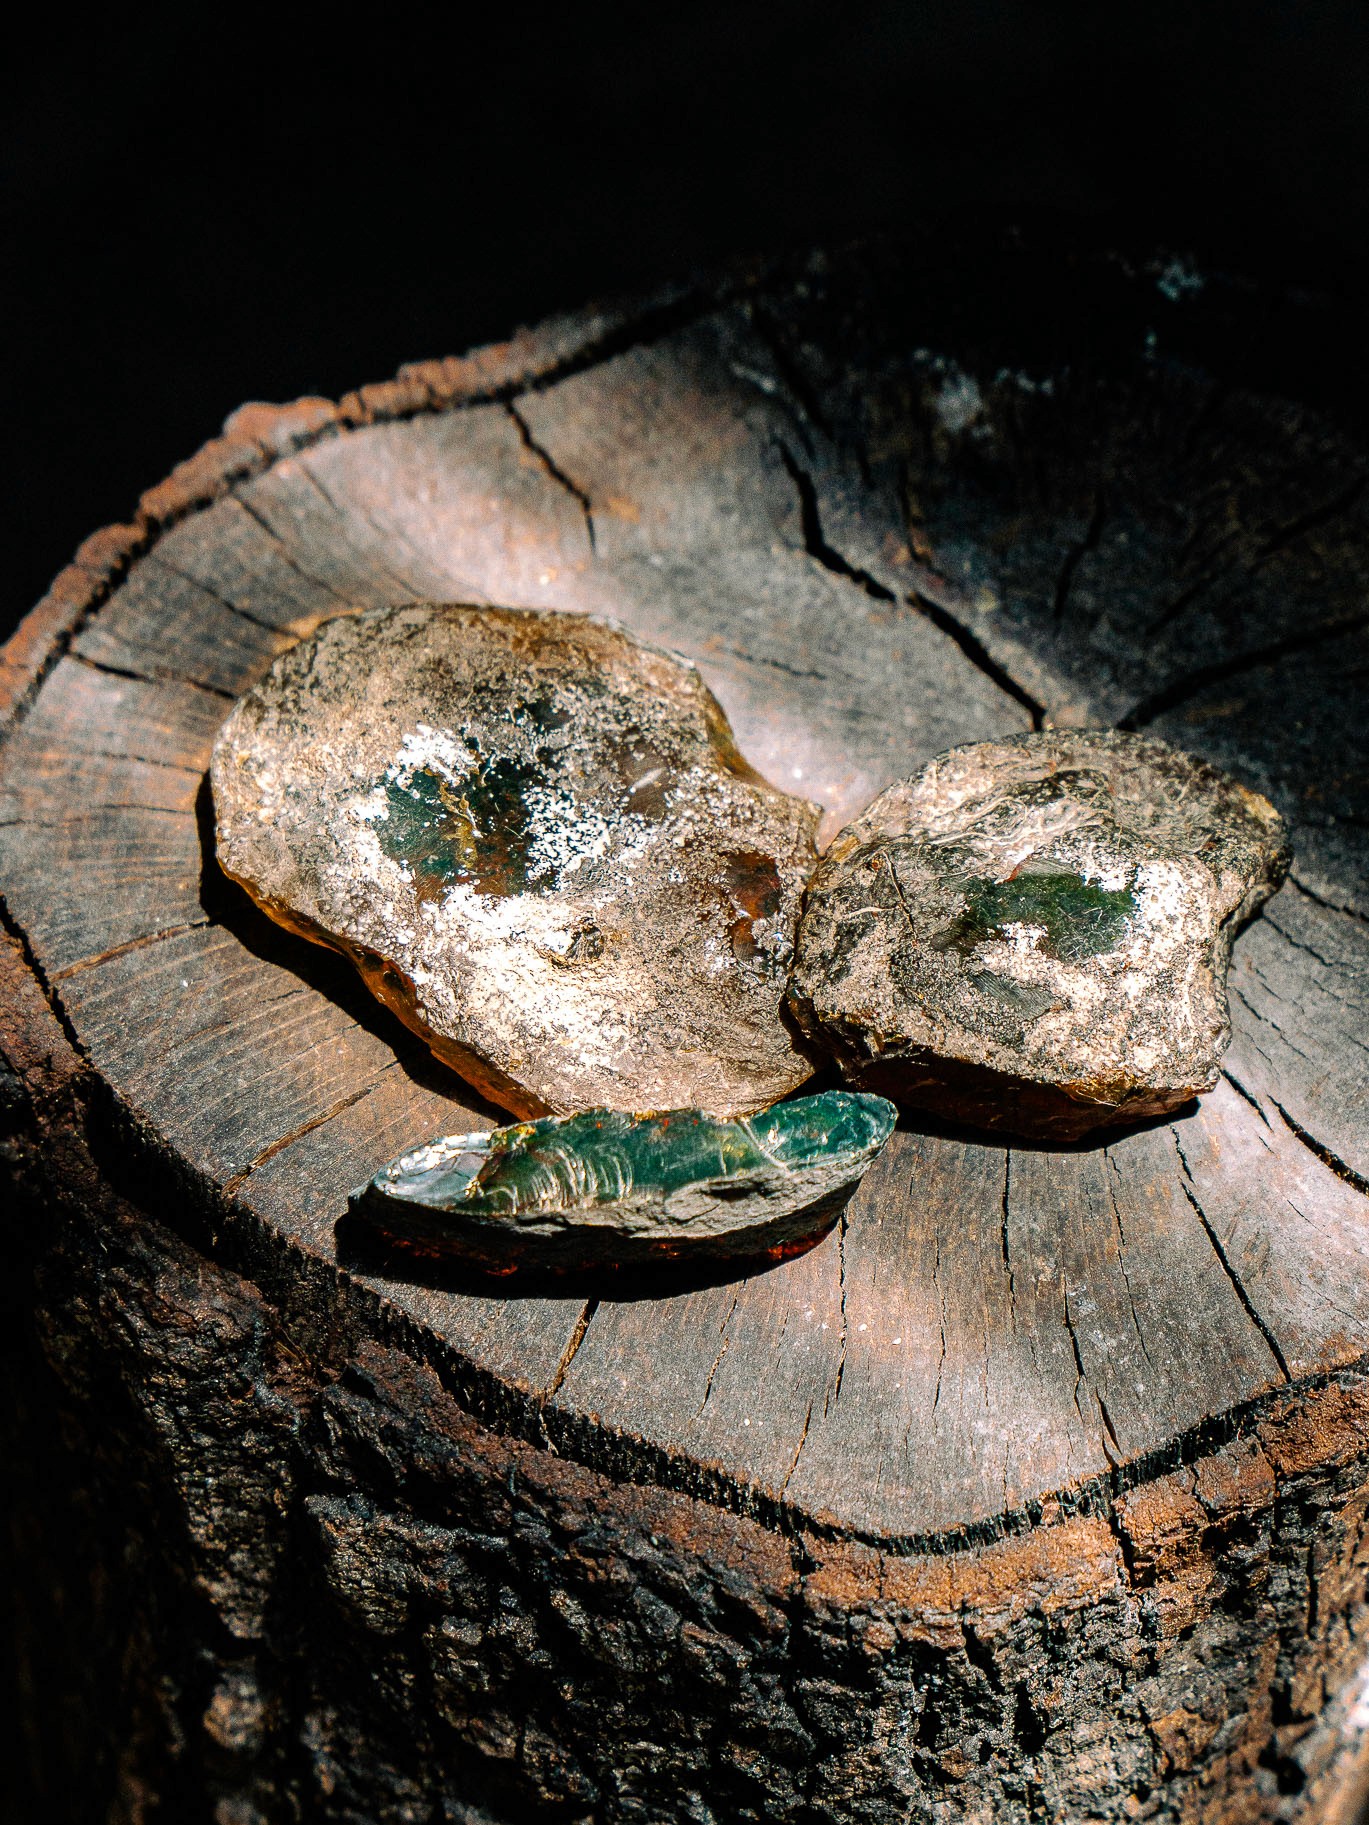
(476, 832)
(1079, 918)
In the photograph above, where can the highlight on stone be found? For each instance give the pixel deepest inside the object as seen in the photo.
(537, 841)
(1033, 934)
(609, 1189)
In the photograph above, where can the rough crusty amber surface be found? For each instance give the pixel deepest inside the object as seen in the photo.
(604, 1188)
(536, 839)
(1033, 934)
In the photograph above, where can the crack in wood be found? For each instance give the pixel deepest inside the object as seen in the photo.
(238, 1179)
(1279, 539)
(792, 378)
(774, 665)
(1264, 1019)
(1076, 554)
(978, 655)
(124, 671)
(571, 1350)
(1112, 1445)
(1284, 536)
(56, 1006)
(1209, 572)
(1302, 945)
(386, 534)
(102, 587)
(158, 560)
(814, 541)
(941, 1298)
(1335, 906)
(650, 324)
(835, 1395)
(259, 519)
(1341, 1168)
(1003, 1234)
(798, 1450)
(1111, 1172)
(1248, 1096)
(721, 1352)
(1079, 1376)
(552, 468)
(143, 760)
(131, 944)
(1188, 1186)
(1183, 689)
(82, 817)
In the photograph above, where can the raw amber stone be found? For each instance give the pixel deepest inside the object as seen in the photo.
(535, 838)
(1033, 934)
(609, 1189)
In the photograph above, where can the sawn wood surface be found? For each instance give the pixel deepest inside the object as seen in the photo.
(877, 534)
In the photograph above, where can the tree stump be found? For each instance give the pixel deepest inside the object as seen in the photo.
(1038, 1489)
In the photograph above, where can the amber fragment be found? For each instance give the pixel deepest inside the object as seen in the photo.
(536, 839)
(1033, 934)
(608, 1189)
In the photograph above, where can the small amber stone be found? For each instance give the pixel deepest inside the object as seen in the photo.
(608, 1189)
(1033, 934)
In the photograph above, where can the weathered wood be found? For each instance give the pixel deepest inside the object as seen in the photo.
(1039, 1486)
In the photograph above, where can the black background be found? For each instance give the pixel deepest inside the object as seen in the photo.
(197, 212)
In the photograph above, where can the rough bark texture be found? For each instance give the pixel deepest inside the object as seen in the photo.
(1039, 1488)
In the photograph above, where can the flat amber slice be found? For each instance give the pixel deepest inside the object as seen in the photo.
(536, 839)
(609, 1189)
(1033, 934)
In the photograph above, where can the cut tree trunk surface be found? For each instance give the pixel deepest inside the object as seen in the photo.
(1040, 1484)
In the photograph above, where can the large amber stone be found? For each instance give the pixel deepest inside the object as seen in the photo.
(536, 839)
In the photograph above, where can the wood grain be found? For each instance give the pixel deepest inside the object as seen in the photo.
(873, 547)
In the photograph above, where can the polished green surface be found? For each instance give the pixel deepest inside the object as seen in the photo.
(601, 1156)
(1078, 918)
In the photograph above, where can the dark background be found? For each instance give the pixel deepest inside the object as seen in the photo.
(196, 214)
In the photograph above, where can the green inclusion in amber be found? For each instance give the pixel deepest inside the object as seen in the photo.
(602, 1156)
(1079, 918)
(477, 831)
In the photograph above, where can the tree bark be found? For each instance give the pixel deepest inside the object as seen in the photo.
(1039, 1488)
